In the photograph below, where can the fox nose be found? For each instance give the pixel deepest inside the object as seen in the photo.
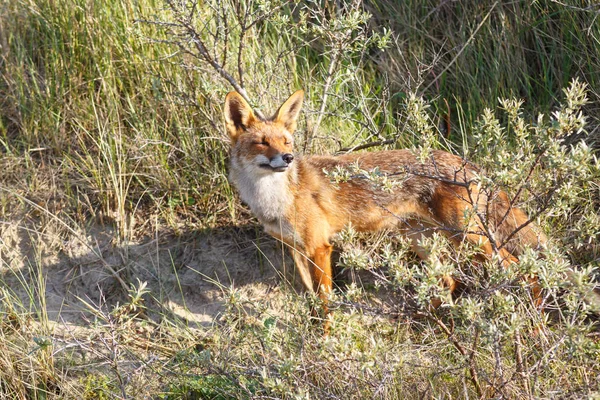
(288, 158)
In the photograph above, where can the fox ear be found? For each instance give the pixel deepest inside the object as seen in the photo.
(289, 111)
(238, 114)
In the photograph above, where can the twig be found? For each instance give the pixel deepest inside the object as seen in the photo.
(204, 54)
(531, 219)
(328, 79)
(520, 364)
(518, 193)
(366, 146)
(462, 48)
(461, 350)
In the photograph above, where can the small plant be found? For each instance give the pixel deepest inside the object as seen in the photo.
(497, 318)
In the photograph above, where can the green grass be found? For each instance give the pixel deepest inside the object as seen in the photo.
(530, 51)
(113, 166)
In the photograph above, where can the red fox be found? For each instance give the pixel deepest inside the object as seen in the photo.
(298, 203)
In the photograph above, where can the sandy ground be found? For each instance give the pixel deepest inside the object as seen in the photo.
(188, 275)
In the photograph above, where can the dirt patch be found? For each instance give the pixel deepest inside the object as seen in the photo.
(61, 270)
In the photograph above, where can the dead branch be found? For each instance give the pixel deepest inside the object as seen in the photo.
(204, 55)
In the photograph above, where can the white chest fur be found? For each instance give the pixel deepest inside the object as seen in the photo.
(267, 194)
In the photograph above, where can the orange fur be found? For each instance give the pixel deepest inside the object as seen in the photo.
(298, 204)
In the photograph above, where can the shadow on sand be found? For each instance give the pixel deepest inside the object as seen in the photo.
(188, 275)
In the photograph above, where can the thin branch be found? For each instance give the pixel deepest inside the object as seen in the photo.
(461, 350)
(366, 146)
(531, 219)
(244, 28)
(516, 196)
(204, 54)
(520, 363)
(225, 35)
(328, 80)
(462, 48)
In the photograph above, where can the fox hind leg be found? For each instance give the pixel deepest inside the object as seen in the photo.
(415, 230)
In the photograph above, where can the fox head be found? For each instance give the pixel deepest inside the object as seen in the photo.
(262, 143)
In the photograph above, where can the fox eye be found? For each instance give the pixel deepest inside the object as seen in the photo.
(262, 142)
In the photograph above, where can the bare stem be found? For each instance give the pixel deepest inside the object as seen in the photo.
(520, 363)
(205, 55)
(328, 80)
(471, 355)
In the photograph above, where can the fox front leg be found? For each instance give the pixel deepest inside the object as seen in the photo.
(315, 272)
(322, 273)
(323, 281)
